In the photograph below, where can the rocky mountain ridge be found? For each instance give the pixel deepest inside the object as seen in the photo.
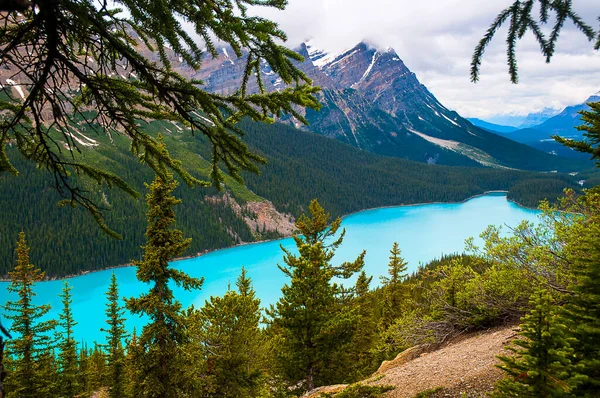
(371, 100)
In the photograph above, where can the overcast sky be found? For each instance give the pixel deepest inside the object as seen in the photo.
(436, 38)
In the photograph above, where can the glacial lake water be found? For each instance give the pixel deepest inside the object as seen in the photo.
(424, 232)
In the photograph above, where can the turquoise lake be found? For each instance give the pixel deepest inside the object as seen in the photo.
(424, 232)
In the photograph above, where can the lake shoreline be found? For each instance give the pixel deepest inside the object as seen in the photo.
(197, 255)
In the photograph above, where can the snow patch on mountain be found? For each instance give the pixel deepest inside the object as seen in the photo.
(16, 86)
(321, 58)
(369, 69)
(450, 120)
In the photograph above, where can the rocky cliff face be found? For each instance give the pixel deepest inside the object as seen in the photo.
(372, 100)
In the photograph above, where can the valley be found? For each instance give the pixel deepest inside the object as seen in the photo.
(199, 199)
(427, 232)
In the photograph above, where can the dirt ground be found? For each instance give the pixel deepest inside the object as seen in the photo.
(463, 367)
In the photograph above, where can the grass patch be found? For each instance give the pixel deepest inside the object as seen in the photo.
(360, 391)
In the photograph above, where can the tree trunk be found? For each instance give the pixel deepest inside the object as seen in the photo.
(310, 382)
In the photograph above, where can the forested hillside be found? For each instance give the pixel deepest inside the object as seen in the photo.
(301, 166)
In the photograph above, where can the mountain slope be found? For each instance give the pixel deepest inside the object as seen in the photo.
(372, 101)
(301, 166)
(564, 124)
(494, 128)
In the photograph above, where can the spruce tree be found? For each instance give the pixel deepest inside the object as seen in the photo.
(591, 129)
(160, 361)
(309, 316)
(132, 371)
(531, 15)
(67, 347)
(84, 370)
(582, 311)
(359, 351)
(233, 341)
(31, 333)
(96, 365)
(394, 293)
(48, 370)
(541, 365)
(115, 334)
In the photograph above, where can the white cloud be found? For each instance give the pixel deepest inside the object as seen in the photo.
(436, 38)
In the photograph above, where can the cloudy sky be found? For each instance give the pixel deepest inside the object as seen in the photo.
(436, 38)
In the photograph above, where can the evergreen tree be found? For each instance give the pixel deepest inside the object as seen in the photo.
(48, 369)
(530, 15)
(541, 364)
(67, 347)
(84, 370)
(160, 360)
(31, 333)
(309, 317)
(359, 354)
(96, 365)
(591, 128)
(115, 335)
(133, 387)
(362, 286)
(582, 312)
(394, 293)
(233, 341)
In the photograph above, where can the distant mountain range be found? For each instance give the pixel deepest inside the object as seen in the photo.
(539, 136)
(372, 101)
(493, 127)
(523, 121)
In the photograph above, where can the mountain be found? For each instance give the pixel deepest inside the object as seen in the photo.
(372, 101)
(563, 124)
(494, 128)
(533, 119)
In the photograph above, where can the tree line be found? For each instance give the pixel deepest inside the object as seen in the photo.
(331, 325)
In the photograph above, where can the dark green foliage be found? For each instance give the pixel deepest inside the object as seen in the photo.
(115, 336)
(358, 358)
(529, 192)
(311, 322)
(82, 66)
(67, 347)
(31, 332)
(160, 362)
(48, 371)
(582, 311)
(68, 240)
(521, 17)
(233, 343)
(541, 365)
(360, 391)
(394, 293)
(591, 128)
(346, 179)
(96, 377)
